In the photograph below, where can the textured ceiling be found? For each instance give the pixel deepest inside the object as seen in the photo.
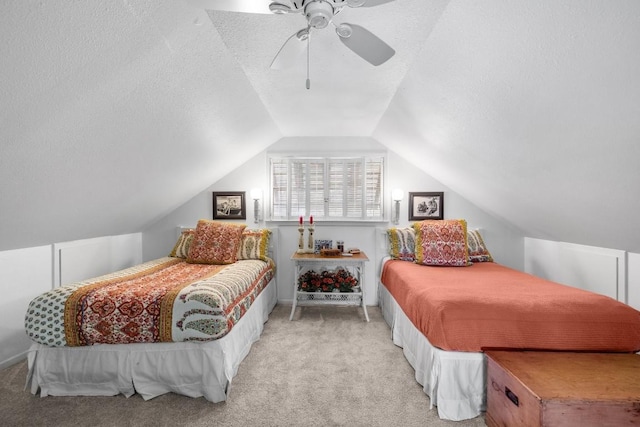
(348, 95)
(114, 113)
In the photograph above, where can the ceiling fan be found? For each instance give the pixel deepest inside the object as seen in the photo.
(319, 14)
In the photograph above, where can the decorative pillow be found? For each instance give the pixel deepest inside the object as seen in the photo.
(254, 244)
(215, 242)
(442, 242)
(181, 248)
(478, 251)
(402, 243)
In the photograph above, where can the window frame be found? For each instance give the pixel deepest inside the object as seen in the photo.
(377, 159)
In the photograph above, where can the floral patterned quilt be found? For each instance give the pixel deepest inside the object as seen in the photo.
(164, 300)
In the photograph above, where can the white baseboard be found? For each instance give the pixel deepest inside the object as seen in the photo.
(13, 360)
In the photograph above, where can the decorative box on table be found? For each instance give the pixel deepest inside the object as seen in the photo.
(330, 253)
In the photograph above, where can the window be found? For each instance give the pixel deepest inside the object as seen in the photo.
(327, 188)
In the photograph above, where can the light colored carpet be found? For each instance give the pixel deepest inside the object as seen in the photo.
(327, 367)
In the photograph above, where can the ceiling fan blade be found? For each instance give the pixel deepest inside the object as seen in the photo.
(366, 44)
(366, 3)
(246, 6)
(372, 3)
(290, 52)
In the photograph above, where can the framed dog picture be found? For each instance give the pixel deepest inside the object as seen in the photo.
(426, 206)
(229, 205)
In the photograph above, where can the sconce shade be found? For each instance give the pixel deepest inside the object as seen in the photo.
(397, 194)
(256, 193)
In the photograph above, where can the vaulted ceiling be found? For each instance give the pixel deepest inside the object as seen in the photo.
(116, 112)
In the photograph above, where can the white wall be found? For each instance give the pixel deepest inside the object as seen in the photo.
(609, 272)
(633, 280)
(26, 273)
(504, 241)
(88, 258)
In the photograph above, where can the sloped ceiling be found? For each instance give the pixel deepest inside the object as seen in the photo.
(116, 112)
(531, 110)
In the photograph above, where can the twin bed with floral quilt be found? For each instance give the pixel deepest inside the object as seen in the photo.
(181, 323)
(446, 302)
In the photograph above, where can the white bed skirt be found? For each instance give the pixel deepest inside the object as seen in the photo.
(194, 369)
(454, 381)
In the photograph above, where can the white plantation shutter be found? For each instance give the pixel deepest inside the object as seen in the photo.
(279, 189)
(315, 189)
(373, 189)
(337, 195)
(297, 178)
(332, 188)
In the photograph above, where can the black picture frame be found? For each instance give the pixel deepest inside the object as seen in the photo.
(429, 205)
(229, 205)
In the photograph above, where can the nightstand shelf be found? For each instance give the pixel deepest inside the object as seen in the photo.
(338, 298)
(314, 262)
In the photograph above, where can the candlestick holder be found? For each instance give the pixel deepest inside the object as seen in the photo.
(301, 240)
(310, 248)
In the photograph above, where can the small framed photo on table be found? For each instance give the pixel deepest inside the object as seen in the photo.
(229, 205)
(322, 244)
(426, 206)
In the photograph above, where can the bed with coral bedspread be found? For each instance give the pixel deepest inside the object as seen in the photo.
(175, 324)
(444, 316)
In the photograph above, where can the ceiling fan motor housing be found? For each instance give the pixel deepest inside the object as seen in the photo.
(318, 13)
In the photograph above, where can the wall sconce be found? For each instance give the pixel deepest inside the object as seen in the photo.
(397, 195)
(256, 195)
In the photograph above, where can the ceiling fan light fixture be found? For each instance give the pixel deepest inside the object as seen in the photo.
(344, 30)
(303, 34)
(279, 8)
(318, 13)
(356, 3)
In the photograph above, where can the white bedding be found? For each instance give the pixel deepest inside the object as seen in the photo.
(454, 381)
(194, 369)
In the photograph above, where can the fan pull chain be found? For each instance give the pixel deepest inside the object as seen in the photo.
(308, 55)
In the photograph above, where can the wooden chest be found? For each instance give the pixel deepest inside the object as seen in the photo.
(528, 388)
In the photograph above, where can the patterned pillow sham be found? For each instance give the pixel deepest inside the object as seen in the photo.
(215, 242)
(402, 243)
(478, 251)
(254, 244)
(181, 248)
(442, 242)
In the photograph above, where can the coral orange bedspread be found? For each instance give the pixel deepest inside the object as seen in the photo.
(488, 305)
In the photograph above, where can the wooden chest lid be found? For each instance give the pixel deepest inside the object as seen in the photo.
(570, 375)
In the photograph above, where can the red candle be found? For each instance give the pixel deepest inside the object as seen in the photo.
(300, 220)
(311, 220)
